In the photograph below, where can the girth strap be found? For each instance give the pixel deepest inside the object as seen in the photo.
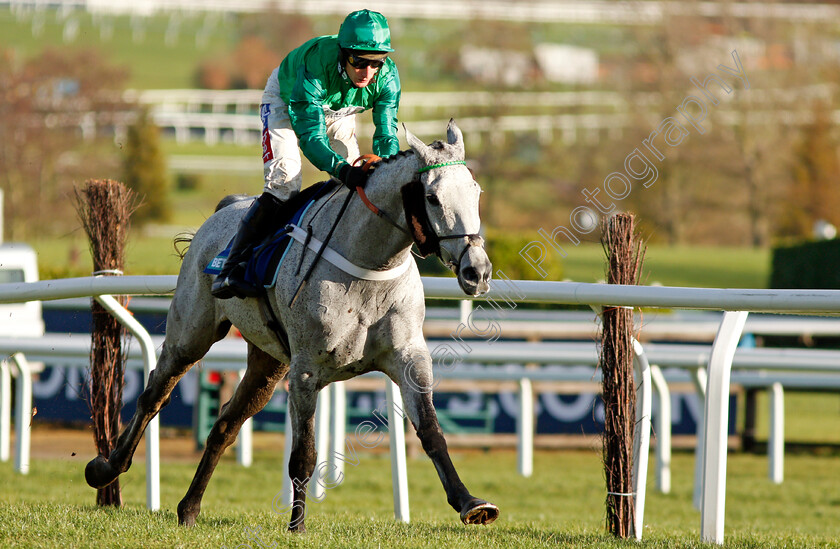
(273, 323)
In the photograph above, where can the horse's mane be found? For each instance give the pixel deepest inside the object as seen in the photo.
(389, 159)
(392, 164)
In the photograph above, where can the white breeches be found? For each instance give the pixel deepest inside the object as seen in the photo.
(281, 155)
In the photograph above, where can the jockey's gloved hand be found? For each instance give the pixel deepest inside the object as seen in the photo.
(352, 176)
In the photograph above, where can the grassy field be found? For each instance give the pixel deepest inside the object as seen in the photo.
(702, 266)
(153, 61)
(157, 62)
(163, 52)
(690, 266)
(811, 418)
(560, 505)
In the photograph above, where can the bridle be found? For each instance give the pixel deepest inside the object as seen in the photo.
(417, 217)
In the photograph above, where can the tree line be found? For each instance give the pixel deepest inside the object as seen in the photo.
(45, 104)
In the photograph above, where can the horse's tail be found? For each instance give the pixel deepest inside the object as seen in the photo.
(182, 239)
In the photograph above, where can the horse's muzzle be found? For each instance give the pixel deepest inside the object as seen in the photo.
(474, 271)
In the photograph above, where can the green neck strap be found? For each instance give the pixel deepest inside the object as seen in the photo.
(433, 166)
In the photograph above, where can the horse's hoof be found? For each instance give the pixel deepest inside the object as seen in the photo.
(299, 529)
(478, 511)
(187, 521)
(187, 517)
(99, 473)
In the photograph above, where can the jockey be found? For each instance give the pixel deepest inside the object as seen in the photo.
(311, 101)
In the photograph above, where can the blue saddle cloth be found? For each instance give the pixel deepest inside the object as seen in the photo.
(264, 263)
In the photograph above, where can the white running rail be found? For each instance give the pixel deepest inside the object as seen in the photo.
(736, 302)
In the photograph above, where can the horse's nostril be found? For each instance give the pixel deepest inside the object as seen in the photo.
(470, 274)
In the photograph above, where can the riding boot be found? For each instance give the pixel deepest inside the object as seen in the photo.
(260, 218)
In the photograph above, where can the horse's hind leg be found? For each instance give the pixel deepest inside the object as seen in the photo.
(251, 396)
(303, 395)
(415, 381)
(176, 358)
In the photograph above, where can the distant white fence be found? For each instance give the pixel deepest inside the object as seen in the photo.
(595, 12)
(243, 129)
(248, 101)
(215, 116)
(230, 115)
(736, 303)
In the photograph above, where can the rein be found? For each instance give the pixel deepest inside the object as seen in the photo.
(321, 249)
(368, 162)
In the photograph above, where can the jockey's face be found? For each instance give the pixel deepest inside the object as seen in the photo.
(360, 77)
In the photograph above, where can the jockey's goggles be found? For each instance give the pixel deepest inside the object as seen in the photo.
(358, 62)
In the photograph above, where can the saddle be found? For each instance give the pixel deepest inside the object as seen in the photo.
(265, 261)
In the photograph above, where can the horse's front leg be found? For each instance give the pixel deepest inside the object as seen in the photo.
(303, 396)
(191, 329)
(102, 471)
(413, 373)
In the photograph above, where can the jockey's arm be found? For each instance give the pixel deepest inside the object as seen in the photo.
(385, 140)
(306, 112)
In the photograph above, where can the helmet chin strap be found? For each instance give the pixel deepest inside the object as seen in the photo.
(342, 70)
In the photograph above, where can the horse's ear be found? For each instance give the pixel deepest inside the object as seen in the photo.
(455, 137)
(414, 142)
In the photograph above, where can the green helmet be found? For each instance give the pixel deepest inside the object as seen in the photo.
(365, 30)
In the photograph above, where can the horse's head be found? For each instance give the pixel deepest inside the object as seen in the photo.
(442, 210)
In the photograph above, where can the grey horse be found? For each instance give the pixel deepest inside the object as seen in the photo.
(340, 326)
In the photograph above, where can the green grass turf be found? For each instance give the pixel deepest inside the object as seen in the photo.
(153, 63)
(810, 418)
(699, 267)
(423, 46)
(560, 505)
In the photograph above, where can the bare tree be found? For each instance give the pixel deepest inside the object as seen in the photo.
(47, 103)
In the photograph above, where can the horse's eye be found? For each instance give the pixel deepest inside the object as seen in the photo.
(433, 199)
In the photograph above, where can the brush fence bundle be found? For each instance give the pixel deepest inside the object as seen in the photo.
(624, 259)
(104, 208)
